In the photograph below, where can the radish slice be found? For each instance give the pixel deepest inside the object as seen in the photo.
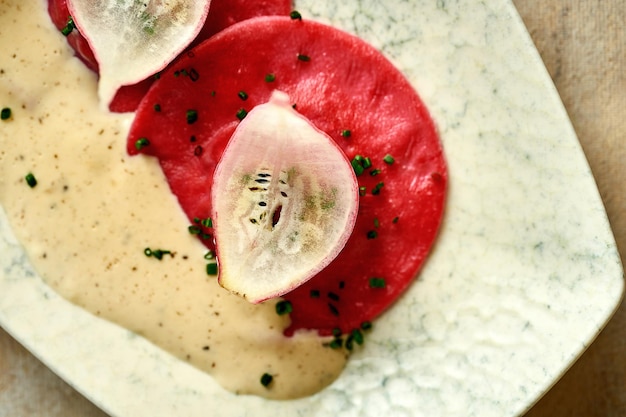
(133, 39)
(285, 200)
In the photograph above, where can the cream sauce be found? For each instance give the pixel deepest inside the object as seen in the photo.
(86, 223)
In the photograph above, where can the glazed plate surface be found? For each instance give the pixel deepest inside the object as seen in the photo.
(523, 276)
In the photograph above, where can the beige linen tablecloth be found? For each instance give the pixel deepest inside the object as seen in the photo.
(583, 44)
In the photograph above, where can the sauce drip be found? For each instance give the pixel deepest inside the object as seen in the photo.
(94, 210)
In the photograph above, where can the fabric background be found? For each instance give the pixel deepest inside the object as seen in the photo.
(583, 45)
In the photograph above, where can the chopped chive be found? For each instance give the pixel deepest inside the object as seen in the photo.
(346, 133)
(210, 255)
(192, 116)
(374, 172)
(395, 220)
(30, 180)
(304, 58)
(243, 95)
(283, 307)
(157, 107)
(362, 191)
(194, 75)
(357, 165)
(142, 143)
(314, 293)
(367, 162)
(5, 114)
(336, 343)
(194, 230)
(333, 296)
(241, 114)
(156, 253)
(357, 336)
(336, 332)
(376, 222)
(208, 222)
(270, 78)
(372, 234)
(389, 159)
(295, 15)
(69, 26)
(349, 342)
(377, 188)
(366, 325)
(211, 269)
(266, 379)
(377, 282)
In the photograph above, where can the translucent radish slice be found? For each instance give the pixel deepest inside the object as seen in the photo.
(285, 200)
(134, 39)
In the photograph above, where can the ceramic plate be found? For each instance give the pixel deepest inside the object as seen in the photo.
(524, 274)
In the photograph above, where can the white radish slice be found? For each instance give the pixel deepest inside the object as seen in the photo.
(134, 39)
(285, 200)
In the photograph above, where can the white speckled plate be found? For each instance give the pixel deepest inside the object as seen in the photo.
(524, 274)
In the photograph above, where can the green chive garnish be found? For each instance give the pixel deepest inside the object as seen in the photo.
(336, 343)
(141, 143)
(395, 219)
(377, 188)
(5, 114)
(156, 253)
(349, 342)
(194, 230)
(295, 15)
(366, 325)
(192, 116)
(304, 58)
(209, 255)
(357, 165)
(266, 379)
(362, 191)
(357, 336)
(243, 95)
(30, 180)
(270, 78)
(346, 133)
(211, 269)
(241, 114)
(283, 307)
(377, 282)
(157, 107)
(389, 159)
(374, 172)
(69, 26)
(372, 234)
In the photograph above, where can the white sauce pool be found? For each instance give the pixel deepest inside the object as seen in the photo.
(86, 223)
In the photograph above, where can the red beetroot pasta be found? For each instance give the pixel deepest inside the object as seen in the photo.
(222, 14)
(350, 91)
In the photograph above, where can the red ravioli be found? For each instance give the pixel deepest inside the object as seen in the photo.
(222, 14)
(344, 87)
